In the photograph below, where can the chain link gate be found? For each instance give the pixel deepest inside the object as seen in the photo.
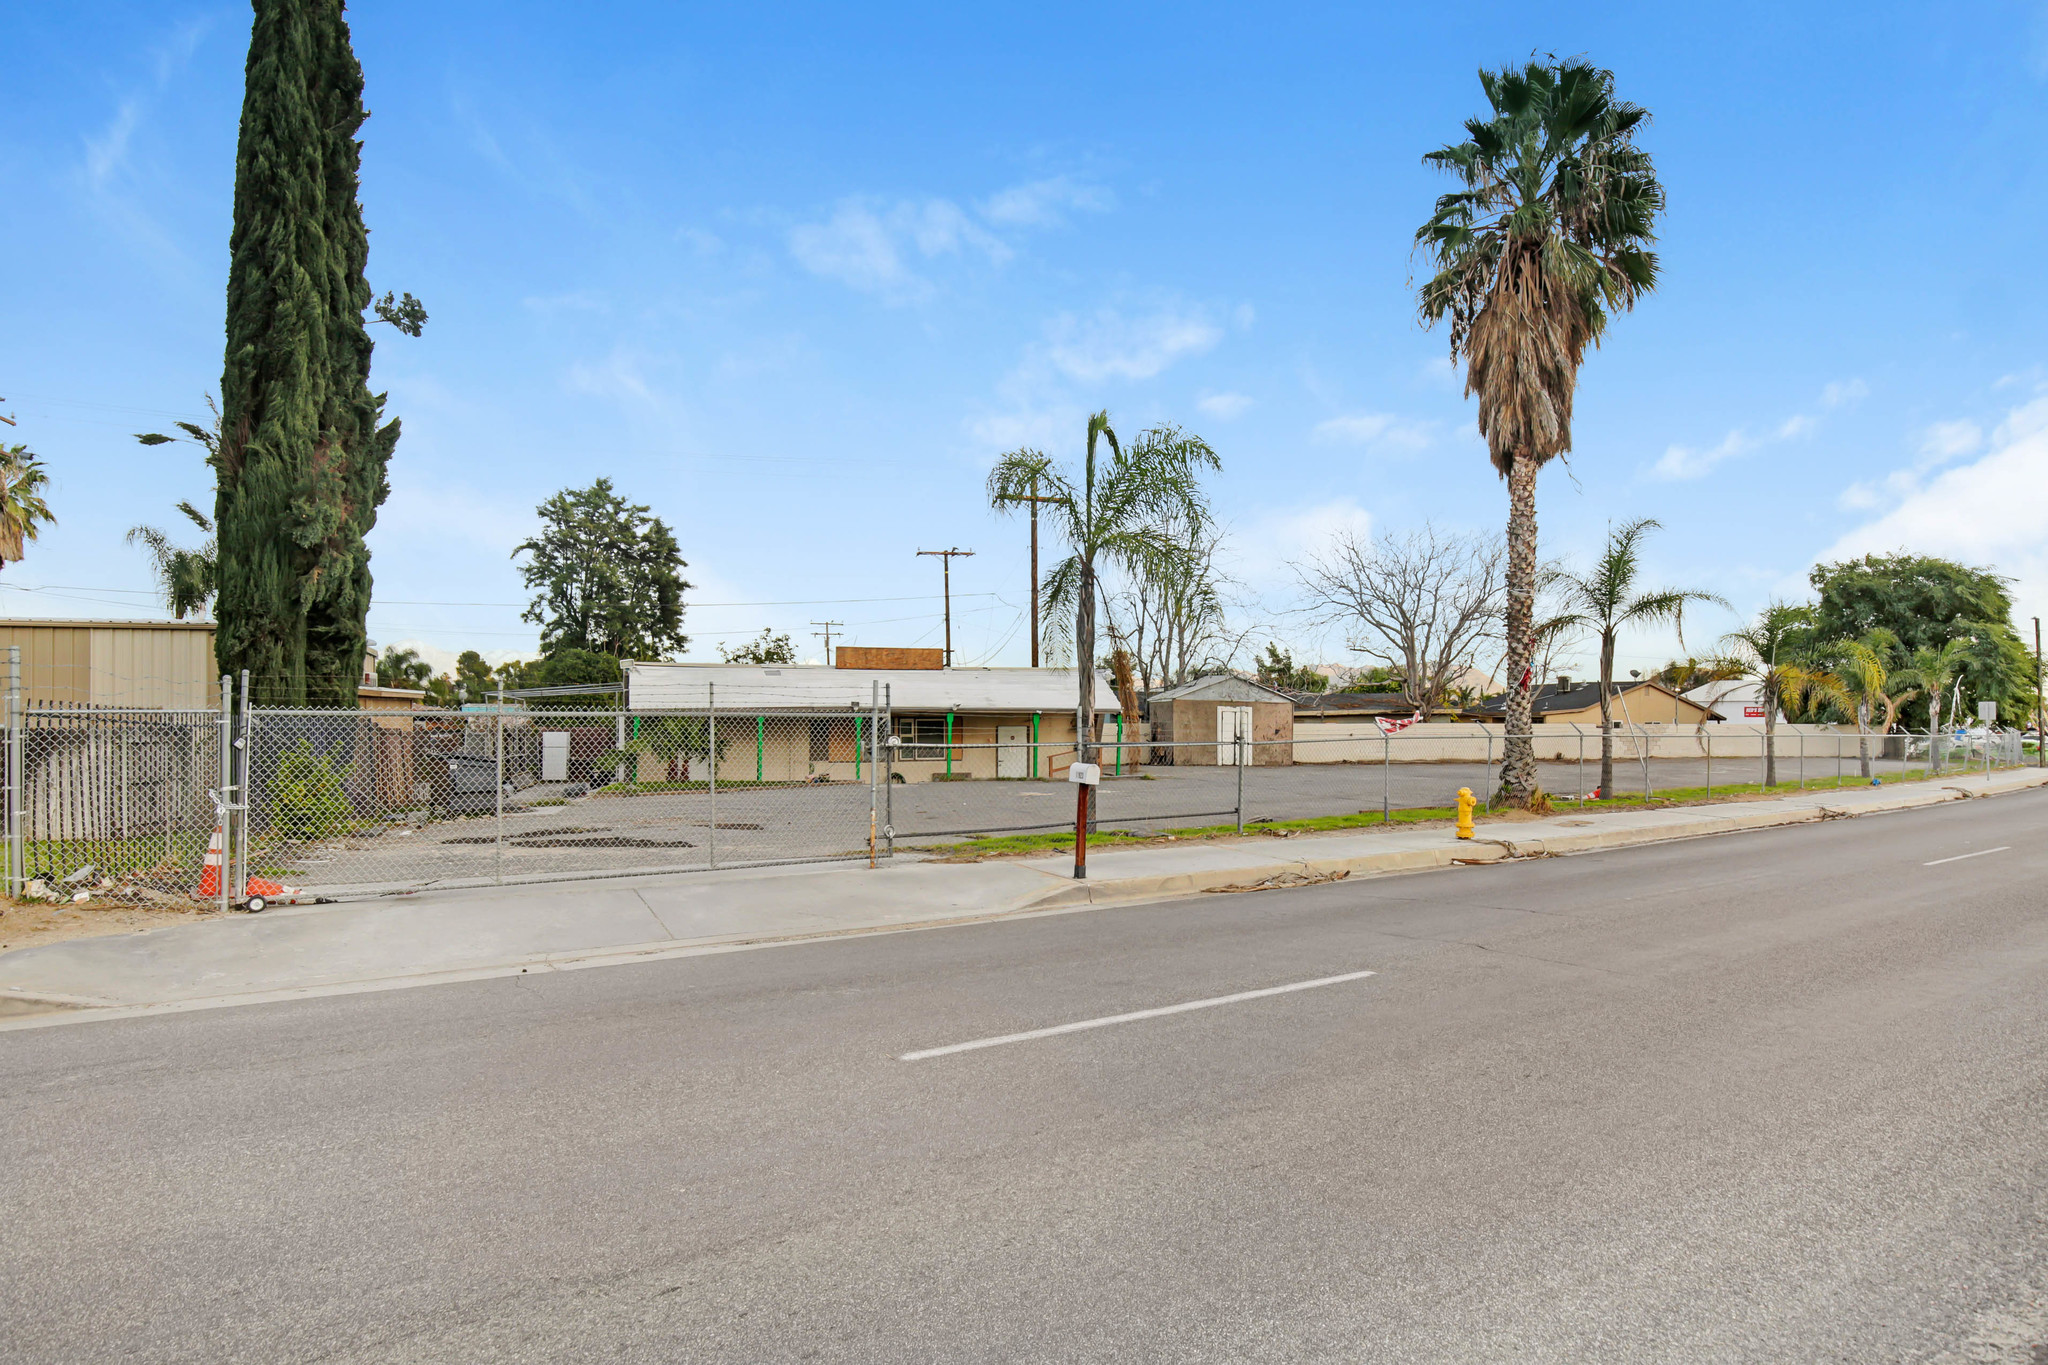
(304, 804)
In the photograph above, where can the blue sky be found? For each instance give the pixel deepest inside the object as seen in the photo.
(796, 275)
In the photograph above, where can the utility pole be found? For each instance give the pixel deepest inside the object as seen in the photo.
(2040, 730)
(945, 557)
(1034, 499)
(827, 634)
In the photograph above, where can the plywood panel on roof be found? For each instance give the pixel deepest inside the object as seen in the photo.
(876, 656)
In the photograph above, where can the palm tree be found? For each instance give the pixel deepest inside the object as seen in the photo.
(1112, 515)
(1865, 678)
(22, 509)
(188, 578)
(1607, 600)
(1548, 236)
(403, 668)
(1774, 651)
(1936, 670)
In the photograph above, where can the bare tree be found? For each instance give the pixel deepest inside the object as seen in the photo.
(1423, 604)
(1176, 624)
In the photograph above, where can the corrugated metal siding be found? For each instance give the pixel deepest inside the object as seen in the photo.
(99, 663)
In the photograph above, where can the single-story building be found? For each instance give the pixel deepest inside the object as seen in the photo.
(1641, 701)
(1202, 719)
(775, 724)
(156, 665)
(1740, 699)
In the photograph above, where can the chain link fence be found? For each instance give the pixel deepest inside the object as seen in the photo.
(261, 803)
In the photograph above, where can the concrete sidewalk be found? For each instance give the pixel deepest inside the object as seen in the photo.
(504, 931)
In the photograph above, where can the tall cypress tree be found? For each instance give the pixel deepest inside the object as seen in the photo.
(301, 466)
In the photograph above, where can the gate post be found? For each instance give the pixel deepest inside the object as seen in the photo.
(239, 863)
(498, 852)
(711, 765)
(16, 874)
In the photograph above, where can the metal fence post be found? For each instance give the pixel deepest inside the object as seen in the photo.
(17, 875)
(889, 778)
(874, 763)
(240, 861)
(1710, 764)
(711, 766)
(1489, 762)
(1240, 781)
(1580, 731)
(1386, 778)
(498, 853)
(223, 814)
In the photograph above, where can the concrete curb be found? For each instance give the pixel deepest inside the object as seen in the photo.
(1058, 897)
(1489, 849)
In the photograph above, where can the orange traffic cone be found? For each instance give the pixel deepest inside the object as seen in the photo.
(209, 871)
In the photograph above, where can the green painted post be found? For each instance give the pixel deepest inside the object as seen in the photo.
(1034, 742)
(760, 739)
(1119, 744)
(949, 744)
(859, 737)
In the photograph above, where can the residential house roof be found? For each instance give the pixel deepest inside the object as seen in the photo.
(1550, 697)
(1221, 687)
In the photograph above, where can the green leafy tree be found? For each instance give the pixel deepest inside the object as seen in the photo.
(1111, 515)
(308, 796)
(1777, 652)
(474, 676)
(1927, 603)
(1547, 237)
(765, 648)
(608, 577)
(301, 465)
(1607, 601)
(1277, 669)
(23, 513)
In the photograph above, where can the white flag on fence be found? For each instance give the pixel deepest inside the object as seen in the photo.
(1388, 727)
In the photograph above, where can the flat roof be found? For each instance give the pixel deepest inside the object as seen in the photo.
(811, 687)
(98, 623)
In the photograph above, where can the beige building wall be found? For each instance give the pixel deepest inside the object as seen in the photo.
(150, 664)
(1639, 705)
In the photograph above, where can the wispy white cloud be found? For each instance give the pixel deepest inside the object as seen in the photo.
(108, 172)
(1262, 550)
(1688, 462)
(1843, 392)
(1109, 345)
(1944, 441)
(1224, 406)
(1988, 512)
(1376, 429)
(877, 246)
(1045, 203)
(1693, 462)
(870, 246)
(619, 375)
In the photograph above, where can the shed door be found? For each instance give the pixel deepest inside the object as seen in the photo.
(1013, 753)
(1232, 724)
(554, 755)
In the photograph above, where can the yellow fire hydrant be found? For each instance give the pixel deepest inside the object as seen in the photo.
(1466, 801)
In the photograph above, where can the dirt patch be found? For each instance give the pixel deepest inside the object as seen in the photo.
(29, 924)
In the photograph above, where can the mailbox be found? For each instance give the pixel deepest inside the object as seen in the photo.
(1086, 774)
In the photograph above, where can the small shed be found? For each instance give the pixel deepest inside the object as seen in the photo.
(1203, 719)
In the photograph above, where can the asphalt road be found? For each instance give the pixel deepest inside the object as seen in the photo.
(1774, 1097)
